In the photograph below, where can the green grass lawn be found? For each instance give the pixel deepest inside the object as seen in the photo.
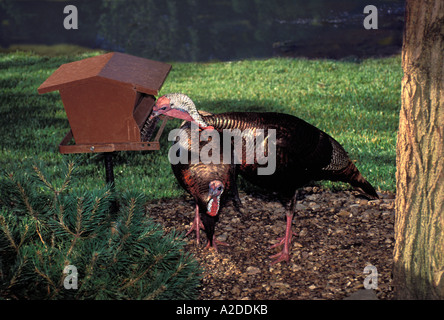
(355, 102)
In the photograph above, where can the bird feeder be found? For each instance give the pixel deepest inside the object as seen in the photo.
(107, 100)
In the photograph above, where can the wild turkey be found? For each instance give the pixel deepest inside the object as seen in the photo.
(209, 183)
(303, 152)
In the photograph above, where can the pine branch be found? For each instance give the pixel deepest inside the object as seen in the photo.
(67, 181)
(18, 273)
(135, 280)
(73, 243)
(62, 223)
(42, 178)
(49, 281)
(7, 232)
(79, 217)
(30, 209)
(90, 266)
(131, 209)
(23, 237)
(156, 293)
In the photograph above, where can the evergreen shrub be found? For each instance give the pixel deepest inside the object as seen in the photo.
(60, 242)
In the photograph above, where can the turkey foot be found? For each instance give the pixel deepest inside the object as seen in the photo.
(281, 241)
(213, 244)
(286, 241)
(197, 225)
(281, 256)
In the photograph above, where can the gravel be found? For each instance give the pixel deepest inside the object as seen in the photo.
(337, 235)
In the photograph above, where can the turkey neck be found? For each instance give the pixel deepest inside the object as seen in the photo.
(233, 120)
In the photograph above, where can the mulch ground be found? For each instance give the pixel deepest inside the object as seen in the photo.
(338, 234)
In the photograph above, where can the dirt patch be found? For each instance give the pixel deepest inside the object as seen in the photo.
(338, 235)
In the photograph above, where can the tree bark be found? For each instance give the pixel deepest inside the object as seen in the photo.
(418, 271)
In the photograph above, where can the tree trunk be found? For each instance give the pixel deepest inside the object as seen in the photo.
(419, 225)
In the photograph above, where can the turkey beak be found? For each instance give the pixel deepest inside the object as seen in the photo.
(212, 193)
(153, 115)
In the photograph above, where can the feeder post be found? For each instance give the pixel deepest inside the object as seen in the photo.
(109, 169)
(109, 173)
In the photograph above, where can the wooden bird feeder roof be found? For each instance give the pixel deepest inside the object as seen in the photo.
(107, 99)
(143, 75)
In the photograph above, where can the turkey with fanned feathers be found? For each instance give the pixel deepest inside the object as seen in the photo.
(208, 183)
(302, 152)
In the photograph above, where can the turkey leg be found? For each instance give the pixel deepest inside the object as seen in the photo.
(284, 255)
(197, 225)
(236, 199)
